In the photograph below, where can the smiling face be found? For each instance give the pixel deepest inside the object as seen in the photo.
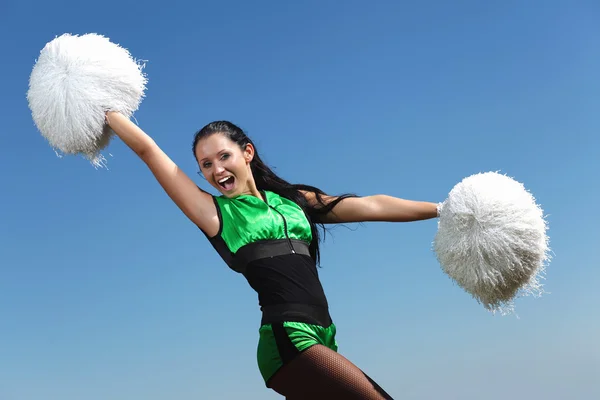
(225, 165)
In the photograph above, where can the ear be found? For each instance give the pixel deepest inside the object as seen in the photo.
(249, 153)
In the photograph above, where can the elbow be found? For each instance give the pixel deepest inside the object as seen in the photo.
(146, 150)
(143, 153)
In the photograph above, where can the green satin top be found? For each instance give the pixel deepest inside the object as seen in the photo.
(246, 219)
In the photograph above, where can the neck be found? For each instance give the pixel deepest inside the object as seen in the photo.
(252, 190)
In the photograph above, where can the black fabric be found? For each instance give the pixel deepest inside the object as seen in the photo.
(287, 350)
(294, 312)
(291, 278)
(288, 285)
(267, 248)
(217, 241)
(221, 247)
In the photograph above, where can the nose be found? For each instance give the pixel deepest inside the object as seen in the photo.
(219, 168)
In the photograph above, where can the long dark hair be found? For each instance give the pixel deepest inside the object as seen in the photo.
(266, 179)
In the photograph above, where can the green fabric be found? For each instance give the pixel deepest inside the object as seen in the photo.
(302, 335)
(248, 219)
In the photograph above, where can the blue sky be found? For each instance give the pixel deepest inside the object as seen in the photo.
(108, 292)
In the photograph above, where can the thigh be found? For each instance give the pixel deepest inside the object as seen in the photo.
(321, 373)
(282, 342)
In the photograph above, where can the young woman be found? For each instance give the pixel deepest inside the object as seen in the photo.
(266, 229)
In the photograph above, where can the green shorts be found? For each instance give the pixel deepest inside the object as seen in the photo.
(280, 342)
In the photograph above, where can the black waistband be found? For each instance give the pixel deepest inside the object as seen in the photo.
(268, 248)
(294, 312)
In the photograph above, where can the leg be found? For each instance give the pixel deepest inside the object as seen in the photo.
(321, 373)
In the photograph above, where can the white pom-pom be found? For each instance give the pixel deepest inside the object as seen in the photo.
(491, 240)
(74, 82)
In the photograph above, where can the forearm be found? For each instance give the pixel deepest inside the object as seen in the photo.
(393, 209)
(380, 207)
(132, 135)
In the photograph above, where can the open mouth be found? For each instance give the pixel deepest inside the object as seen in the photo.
(227, 183)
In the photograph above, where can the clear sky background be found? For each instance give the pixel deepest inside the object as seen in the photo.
(108, 292)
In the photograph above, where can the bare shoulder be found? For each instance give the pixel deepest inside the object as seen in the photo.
(336, 209)
(317, 200)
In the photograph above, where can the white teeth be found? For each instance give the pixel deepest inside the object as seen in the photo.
(224, 179)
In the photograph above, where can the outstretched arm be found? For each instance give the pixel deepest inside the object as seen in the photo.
(376, 208)
(196, 204)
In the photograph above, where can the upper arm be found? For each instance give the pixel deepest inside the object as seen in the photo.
(348, 209)
(375, 208)
(195, 203)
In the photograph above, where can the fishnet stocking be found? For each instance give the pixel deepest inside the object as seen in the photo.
(321, 373)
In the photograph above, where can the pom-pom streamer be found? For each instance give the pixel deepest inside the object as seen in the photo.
(74, 82)
(492, 240)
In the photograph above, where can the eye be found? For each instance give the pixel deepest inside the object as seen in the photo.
(206, 165)
(225, 156)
